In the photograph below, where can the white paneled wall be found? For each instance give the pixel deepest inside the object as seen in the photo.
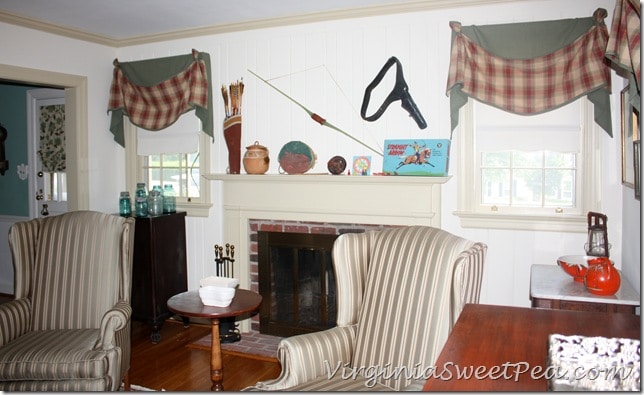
(327, 66)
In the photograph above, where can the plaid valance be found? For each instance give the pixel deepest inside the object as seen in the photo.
(154, 93)
(531, 68)
(623, 47)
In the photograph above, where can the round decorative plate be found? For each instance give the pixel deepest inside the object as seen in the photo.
(296, 157)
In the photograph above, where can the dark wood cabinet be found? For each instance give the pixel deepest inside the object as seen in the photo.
(160, 269)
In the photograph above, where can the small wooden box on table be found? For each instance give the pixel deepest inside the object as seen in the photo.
(551, 288)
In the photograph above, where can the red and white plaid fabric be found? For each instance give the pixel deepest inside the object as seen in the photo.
(624, 42)
(530, 86)
(159, 106)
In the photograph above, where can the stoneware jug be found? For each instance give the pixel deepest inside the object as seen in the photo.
(256, 159)
(602, 278)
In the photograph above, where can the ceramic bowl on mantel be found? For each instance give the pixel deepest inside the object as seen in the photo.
(575, 265)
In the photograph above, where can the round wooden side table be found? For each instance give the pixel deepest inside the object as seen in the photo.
(189, 304)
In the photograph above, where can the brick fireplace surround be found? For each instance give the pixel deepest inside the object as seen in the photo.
(318, 203)
(292, 227)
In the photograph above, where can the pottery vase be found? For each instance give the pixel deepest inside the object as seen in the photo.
(256, 159)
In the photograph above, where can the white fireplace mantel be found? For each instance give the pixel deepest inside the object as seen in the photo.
(387, 200)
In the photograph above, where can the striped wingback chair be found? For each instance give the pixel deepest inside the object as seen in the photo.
(399, 293)
(68, 328)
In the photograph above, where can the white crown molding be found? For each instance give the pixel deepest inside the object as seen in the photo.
(411, 6)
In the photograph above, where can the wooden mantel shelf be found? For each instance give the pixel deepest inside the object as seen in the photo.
(392, 200)
(328, 178)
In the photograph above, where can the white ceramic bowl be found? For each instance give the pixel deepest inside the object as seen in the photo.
(216, 296)
(224, 282)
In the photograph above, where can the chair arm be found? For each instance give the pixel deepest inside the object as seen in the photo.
(15, 319)
(114, 320)
(305, 357)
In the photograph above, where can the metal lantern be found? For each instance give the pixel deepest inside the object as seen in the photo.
(597, 244)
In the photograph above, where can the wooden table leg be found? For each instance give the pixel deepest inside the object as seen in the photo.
(216, 368)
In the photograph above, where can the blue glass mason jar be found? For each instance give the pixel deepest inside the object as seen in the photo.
(141, 200)
(169, 199)
(125, 204)
(155, 203)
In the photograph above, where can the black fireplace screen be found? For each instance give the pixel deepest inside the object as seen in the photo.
(297, 283)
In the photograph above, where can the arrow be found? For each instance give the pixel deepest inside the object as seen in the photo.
(315, 116)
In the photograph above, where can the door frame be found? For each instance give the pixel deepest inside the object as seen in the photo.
(76, 125)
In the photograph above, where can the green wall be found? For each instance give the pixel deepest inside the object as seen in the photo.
(13, 116)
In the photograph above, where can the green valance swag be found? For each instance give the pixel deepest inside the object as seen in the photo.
(531, 68)
(154, 93)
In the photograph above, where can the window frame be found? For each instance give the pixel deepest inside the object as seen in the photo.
(560, 219)
(134, 172)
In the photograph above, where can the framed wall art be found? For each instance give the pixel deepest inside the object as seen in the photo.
(630, 134)
(636, 169)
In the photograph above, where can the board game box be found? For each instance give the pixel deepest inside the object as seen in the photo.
(416, 157)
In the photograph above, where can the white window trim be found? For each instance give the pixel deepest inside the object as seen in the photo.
(134, 171)
(559, 220)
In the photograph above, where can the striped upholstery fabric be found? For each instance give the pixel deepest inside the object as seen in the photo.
(399, 292)
(69, 327)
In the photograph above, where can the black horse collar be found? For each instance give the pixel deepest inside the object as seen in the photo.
(399, 92)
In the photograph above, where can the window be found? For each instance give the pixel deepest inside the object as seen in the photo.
(527, 172)
(538, 179)
(179, 170)
(183, 171)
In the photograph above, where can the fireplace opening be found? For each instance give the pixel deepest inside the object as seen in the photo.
(297, 283)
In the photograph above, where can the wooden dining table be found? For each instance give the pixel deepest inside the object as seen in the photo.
(509, 345)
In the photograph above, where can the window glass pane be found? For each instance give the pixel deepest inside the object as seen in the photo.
(172, 160)
(526, 187)
(559, 160)
(193, 182)
(527, 159)
(496, 159)
(154, 160)
(496, 186)
(173, 177)
(559, 188)
(154, 177)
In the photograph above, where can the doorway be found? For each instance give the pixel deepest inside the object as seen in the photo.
(76, 147)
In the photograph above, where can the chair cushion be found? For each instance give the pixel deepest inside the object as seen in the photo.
(53, 355)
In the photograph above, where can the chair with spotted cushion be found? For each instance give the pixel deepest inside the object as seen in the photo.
(68, 327)
(399, 293)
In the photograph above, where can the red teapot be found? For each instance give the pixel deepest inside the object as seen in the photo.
(602, 278)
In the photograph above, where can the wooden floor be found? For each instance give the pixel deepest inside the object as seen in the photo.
(171, 366)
